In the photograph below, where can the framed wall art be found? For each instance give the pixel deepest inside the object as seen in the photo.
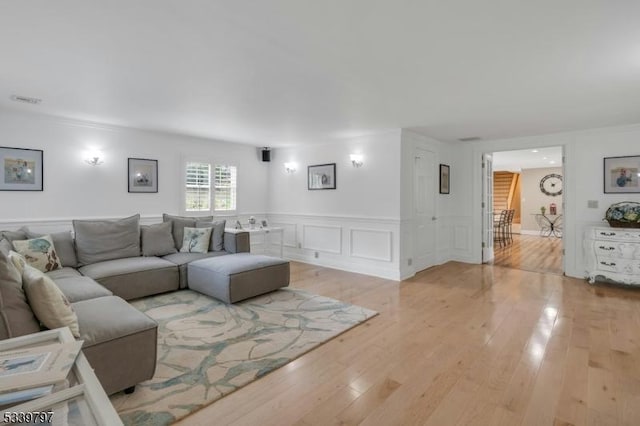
(621, 174)
(322, 176)
(444, 179)
(143, 175)
(22, 169)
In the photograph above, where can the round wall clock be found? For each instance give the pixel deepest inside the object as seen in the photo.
(551, 184)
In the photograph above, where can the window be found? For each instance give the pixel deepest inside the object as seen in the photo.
(199, 196)
(198, 187)
(224, 179)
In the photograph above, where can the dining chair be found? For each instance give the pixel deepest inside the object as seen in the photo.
(499, 228)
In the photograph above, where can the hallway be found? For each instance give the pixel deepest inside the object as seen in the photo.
(531, 253)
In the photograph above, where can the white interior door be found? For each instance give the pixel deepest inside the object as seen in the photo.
(424, 212)
(487, 207)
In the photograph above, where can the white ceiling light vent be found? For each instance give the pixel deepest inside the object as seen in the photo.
(26, 99)
(470, 139)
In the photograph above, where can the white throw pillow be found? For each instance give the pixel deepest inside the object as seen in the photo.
(18, 261)
(196, 240)
(39, 252)
(47, 301)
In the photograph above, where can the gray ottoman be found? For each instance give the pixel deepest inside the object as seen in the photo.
(238, 276)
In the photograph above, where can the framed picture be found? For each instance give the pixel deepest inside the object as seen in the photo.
(21, 169)
(621, 174)
(322, 176)
(444, 179)
(143, 175)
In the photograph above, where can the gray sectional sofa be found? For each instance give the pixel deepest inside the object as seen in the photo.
(107, 263)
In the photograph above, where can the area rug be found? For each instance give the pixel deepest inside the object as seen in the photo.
(207, 349)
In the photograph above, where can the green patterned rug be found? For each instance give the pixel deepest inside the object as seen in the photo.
(207, 349)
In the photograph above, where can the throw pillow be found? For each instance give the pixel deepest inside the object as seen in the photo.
(65, 248)
(16, 317)
(100, 240)
(18, 261)
(179, 223)
(217, 236)
(49, 304)
(196, 240)
(39, 252)
(157, 239)
(5, 246)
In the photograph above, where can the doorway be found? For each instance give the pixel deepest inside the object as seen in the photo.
(526, 204)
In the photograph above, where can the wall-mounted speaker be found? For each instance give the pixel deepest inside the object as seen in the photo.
(266, 154)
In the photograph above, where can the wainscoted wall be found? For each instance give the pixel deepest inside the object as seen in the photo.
(366, 245)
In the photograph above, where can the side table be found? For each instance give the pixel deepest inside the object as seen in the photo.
(84, 402)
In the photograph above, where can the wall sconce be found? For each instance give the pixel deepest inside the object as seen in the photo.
(290, 167)
(94, 158)
(356, 160)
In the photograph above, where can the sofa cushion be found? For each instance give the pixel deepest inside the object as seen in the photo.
(63, 241)
(101, 240)
(16, 317)
(20, 234)
(39, 252)
(81, 288)
(157, 239)
(128, 265)
(134, 277)
(120, 342)
(47, 301)
(217, 235)
(196, 240)
(182, 259)
(179, 222)
(65, 272)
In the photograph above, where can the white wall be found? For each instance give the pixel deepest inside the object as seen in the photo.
(354, 227)
(75, 189)
(453, 227)
(532, 198)
(583, 181)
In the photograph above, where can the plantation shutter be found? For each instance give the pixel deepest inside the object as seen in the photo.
(198, 187)
(225, 188)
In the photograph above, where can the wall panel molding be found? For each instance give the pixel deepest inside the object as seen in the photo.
(322, 238)
(372, 244)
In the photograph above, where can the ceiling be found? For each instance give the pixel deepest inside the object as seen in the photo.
(515, 161)
(286, 72)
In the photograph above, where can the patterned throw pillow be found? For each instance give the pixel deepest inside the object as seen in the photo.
(39, 252)
(196, 240)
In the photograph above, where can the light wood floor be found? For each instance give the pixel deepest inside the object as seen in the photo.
(531, 253)
(458, 344)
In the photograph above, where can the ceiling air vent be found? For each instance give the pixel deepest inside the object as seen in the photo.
(470, 139)
(26, 99)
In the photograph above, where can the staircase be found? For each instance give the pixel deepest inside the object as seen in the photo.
(506, 193)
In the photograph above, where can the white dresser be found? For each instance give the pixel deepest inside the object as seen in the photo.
(613, 253)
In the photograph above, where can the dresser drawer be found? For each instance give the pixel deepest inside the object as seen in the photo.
(620, 266)
(614, 249)
(616, 234)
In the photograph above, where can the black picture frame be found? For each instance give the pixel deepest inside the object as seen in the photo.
(142, 175)
(22, 169)
(321, 176)
(621, 175)
(445, 179)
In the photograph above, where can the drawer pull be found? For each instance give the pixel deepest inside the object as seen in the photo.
(608, 264)
(606, 248)
(608, 234)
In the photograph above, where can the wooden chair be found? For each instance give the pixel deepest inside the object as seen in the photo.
(509, 232)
